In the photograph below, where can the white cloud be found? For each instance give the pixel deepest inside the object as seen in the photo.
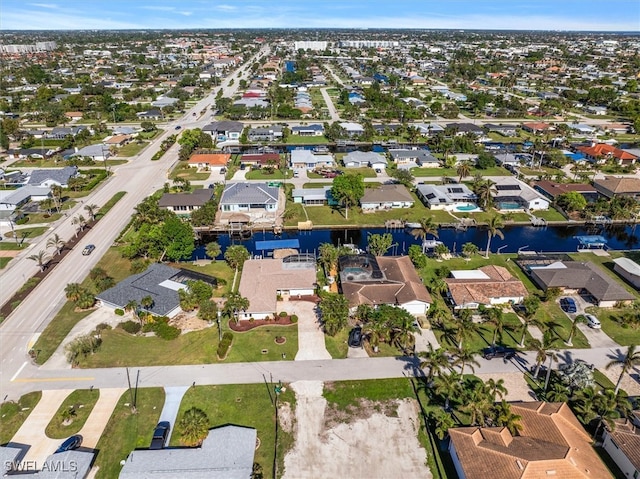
(226, 8)
(44, 5)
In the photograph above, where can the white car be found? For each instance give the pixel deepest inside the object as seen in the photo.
(592, 321)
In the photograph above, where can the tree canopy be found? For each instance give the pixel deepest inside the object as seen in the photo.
(347, 190)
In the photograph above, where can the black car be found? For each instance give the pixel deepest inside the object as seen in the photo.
(498, 352)
(74, 442)
(355, 337)
(160, 435)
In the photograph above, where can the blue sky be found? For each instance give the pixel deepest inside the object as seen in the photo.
(603, 15)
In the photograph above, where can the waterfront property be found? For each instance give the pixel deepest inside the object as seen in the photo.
(227, 451)
(308, 130)
(447, 197)
(261, 160)
(406, 159)
(586, 279)
(612, 186)
(209, 161)
(552, 189)
(264, 280)
(253, 200)
(159, 282)
(488, 286)
(314, 196)
(629, 270)
(550, 443)
(513, 194)
(376, 280)
(360, 159)
(183, 204)
(600, 153)
(306, 159)
(224, 130)
(386, 197)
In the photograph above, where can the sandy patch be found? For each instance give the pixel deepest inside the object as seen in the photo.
(517, 387)
(188, 322)
(374, 445)
(9, 253)
(630, 382)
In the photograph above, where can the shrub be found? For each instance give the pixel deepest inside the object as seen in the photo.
(102, 327)
(166, 331)
(283, 314)
(130, 327)
(225, 344)
(294, 318)
(119, 312)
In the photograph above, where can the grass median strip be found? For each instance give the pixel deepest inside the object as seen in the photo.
(72, 414)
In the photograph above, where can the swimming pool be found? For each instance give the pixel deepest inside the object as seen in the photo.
(509, 205)
(354, 270)
(467, 207)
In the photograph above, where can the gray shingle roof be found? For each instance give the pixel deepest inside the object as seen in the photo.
(224, 126)
(145, 284)
(59, 175)
(226, 453)
(249, 193)
(198, 198)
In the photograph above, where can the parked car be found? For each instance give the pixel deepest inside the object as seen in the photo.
(498, 352)
(88, 250)
(160, 435)
(592, 321)
(355, 337)
(378, 170)
(74, 442)
(178, 127)
(568, 305)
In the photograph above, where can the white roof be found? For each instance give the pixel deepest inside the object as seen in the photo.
(628, 265)
(469, 274)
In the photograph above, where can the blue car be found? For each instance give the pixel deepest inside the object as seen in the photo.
(568, 305)
(74, 442)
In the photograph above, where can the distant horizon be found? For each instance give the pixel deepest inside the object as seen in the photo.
(562, 16)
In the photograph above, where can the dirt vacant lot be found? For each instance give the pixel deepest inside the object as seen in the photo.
(376, 445)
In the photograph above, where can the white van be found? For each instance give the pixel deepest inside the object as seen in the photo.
(592, 321)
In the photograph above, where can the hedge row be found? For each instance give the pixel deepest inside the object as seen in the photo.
(225, 344)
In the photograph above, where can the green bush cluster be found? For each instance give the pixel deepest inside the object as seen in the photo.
(162, 328)
(224, 345)
(294, 318)
(119, 312)
(130, 327)
(283, 314)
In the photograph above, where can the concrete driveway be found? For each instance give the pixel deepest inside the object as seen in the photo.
(99, 417)
(423, 338)
(310, 335)
(172, 399)
(597, 337)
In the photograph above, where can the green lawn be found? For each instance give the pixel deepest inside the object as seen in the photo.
(346, 395)
(366, 172)
(14, 413)
(611, 324)
(550, 215)
(4, 262)
(545, 170)
(337, 345)
(440, 172)
(35, 218)
(189, 173)
(81, 401)
(28, 233)
(131, 149)
(260, 174)
(249, 346)
(127, 431)
(9, 246)
(219, 270)
(246, 405)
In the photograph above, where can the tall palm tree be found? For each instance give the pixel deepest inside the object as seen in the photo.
(464, 169)
(442, 423)
(495, 388)
(465, 357)
(448, 386)
(328, 257)
(434, 359)
(80, 221)
(402, 332)
(495, 317)
(56, 196)
(428, 226)
(40, 258)
(477, 405)
(493, 229)
(631, 359)
(507, 418)
(132, 306)
(56, 242)
(213, 250)
(438, 314)
(574, 326)
(91, 210)
(485, 191)
(235, 303)
(376, 332)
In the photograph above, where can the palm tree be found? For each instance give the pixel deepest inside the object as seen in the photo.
(465, 357)
(147, 302)
(631, 359)
(438, 285)
(213, 250)
(434, 359)
(477, 405)
(557, 393)
(428, 226)
(485, 192)
(442, 423)
(574, 327)
(469, 249)
(495, 388)
(540, 348)
(73, 291)
(132, 306)
(56, 242)
(402, 332)
(448, 386)
(438, 314)
(493, 229)
(91, 210)
(506, 418)
(328, 257)
(80, 221)
(376, 331)
(235, 302)
(194, 427)
(40, 258)
(56, 196)
(464, 329)
(495, 317)
(464, 169)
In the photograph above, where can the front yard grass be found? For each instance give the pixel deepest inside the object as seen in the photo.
(613, 327)
(182, 170)
(131, 149)
(9, 246)
(451, 172)
(249, 346)
(14, 413)
(263, 174)
(79, 403)
(306, 140)
(127, 431)
(28, 233)
(337, 345)
(346, 395)
(35, 218)
(246, 405)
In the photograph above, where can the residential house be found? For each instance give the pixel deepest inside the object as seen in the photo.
(504, 130)
(512, 194)
(61, 132)
(629, 270)
(117, 140)
(462, 129)
(52, 176)
(183, 204)
(97, 152)
(622, 443)
(74, 464)
(252, 199)
(152, 114)
(429, 129)
(164, 101)
(24, 153)
(552, 190)
(596, 110)
(266, 133)
(536, 127)
(308, 130)
(264, 280)
(505, 159)
(612, 186)
(159, 282)
(550, 443)
(406, 159)
(575, 277)
(446, 197)
(600, 153)
(73, 115)
(360, 159)
(385, 197)
(227, 452)
(124, 130)
(307, 159)
(224, 130)
(487, 286)
(10, 200)
(313, 196)
(376, 280)
(352, 129)
(209, 161)
(261, 160)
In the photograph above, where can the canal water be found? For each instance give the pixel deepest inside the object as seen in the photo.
(525, 238)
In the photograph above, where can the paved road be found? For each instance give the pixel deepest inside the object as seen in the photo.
(139, 178)
(330, 106)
